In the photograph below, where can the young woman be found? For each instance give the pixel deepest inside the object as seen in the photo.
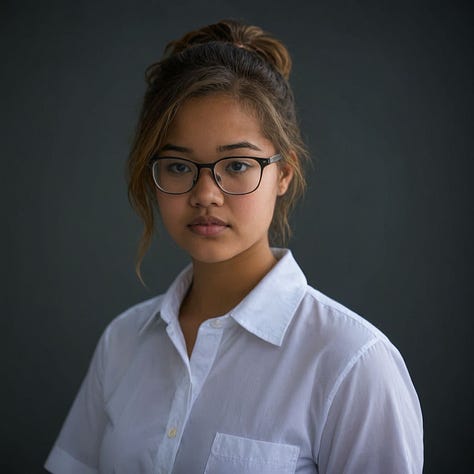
(240, 367)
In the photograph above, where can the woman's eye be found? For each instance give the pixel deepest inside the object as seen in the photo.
(178, 168)
(237, 166)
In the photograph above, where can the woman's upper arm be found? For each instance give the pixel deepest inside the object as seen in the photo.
(77, 446)
(374, 422)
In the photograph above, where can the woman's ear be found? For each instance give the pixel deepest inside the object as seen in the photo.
(285, 176)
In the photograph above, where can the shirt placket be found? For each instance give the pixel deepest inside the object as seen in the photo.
(188, 387)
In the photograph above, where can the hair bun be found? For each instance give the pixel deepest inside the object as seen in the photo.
(249, 37)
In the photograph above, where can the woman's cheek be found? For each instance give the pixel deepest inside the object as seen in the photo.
(253, 210)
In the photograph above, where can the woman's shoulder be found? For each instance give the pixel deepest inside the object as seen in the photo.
(133, 321)
(334, 331)
(340, 344)
(334, 316)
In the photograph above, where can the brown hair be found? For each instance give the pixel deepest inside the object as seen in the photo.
(227, 57)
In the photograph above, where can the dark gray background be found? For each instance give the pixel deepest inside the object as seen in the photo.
(384, 93)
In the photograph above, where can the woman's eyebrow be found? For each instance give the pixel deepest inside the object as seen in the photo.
(221, 148)
(171, 147)
(235, 146)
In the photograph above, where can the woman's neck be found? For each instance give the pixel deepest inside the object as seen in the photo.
(218, 287)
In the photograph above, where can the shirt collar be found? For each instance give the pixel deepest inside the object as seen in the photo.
(167, 305)
(269, 308)
(265, 312)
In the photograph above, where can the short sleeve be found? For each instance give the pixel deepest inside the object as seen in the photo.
(374, 422)
(76, 450)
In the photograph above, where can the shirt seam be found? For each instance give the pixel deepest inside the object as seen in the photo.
(258, 460)
(340, 378)
(352, 362)
(355, 318)
(68, 454)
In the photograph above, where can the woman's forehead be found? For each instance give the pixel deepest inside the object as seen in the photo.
(218, 121)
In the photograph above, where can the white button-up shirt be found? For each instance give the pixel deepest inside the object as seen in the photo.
(288, 381)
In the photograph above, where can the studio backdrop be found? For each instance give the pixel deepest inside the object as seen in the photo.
(384, 97)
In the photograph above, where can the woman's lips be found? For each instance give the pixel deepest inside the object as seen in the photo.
(207, 226)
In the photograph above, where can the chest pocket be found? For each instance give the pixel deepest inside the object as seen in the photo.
(235, 455)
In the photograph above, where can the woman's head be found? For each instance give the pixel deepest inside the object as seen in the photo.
(229, 58)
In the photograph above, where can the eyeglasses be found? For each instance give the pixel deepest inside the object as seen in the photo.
(234, 175)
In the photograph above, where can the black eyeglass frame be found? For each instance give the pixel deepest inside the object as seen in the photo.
(263, 162)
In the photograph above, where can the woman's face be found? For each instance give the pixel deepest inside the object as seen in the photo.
(207, 223)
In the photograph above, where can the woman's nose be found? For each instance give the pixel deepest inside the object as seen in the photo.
(206, 192)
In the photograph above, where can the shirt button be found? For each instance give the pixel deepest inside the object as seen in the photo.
(172, 433)
(217, 323)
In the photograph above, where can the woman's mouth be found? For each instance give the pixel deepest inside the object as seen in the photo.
(207, 226)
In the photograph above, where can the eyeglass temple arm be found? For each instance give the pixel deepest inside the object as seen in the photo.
(274, 159)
